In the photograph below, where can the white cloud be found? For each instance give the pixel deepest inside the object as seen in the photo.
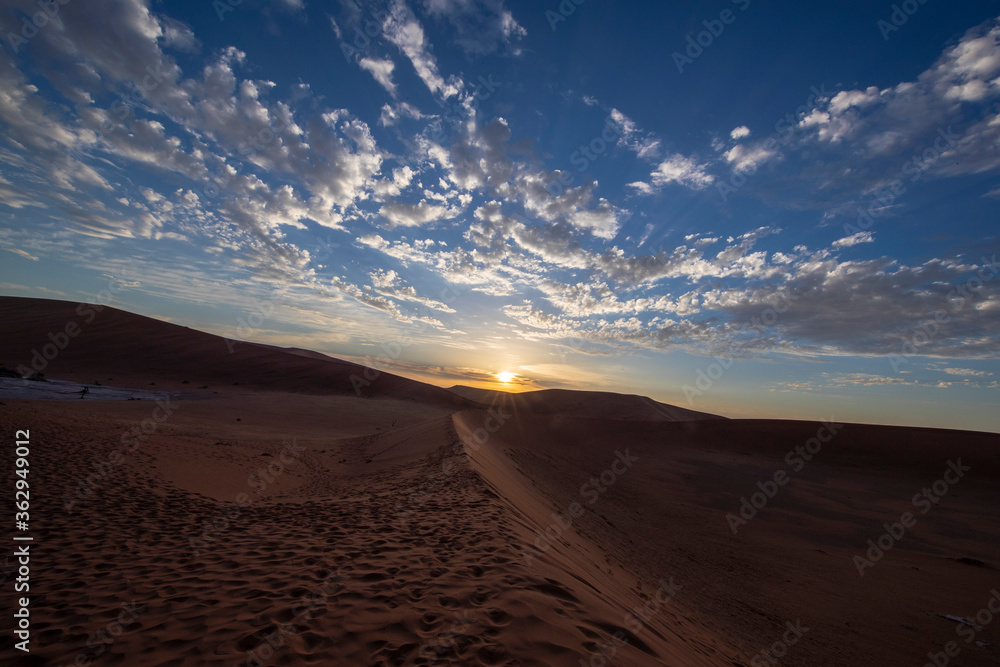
(381, 70)
(22, 253)
(740, 132)
(389, 283)
(403, 214)
(846, 99)
(402, 29)
(683, 170)
(966, 372)
(870, 380)
(886, 127)
(748, 157)
(401, 179)
(643, 144)
(641, 187)
(392, 113)
(854, 239)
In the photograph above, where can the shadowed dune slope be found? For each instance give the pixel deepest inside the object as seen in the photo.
(634, 617)
(137, 350)
(590, 404)
(792, 560)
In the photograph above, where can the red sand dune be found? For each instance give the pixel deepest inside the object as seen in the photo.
(140, 350)
(263, 526)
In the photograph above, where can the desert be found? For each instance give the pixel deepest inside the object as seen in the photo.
(541, 333)
(296, 522)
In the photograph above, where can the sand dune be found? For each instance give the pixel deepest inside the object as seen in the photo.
(590, 404)
(666, 516)
(257, 526)
(132, 350)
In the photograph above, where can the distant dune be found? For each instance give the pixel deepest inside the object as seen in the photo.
(278, 518)
(136, 350)
(591, 404)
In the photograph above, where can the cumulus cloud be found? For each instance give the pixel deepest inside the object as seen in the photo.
(853, 142)
(227, 136)
(740, 132)
(748, 157)
(678, 169)
(404, 214)
(251, 168)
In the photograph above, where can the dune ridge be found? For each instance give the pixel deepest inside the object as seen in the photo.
(135, 350)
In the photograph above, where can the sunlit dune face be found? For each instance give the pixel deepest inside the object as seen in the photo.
(506, 377)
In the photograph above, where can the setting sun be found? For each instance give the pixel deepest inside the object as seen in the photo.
(506, 377)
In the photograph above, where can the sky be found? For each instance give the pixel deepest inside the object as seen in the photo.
(775, 210)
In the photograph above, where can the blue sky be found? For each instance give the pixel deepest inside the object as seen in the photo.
(759, 209)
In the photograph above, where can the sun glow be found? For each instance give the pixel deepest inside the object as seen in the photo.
(506, 377)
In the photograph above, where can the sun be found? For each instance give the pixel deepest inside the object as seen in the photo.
(506, 376)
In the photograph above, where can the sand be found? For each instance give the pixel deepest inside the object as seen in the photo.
(286, 520)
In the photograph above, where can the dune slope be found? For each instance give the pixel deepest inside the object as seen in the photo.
(112, 345)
